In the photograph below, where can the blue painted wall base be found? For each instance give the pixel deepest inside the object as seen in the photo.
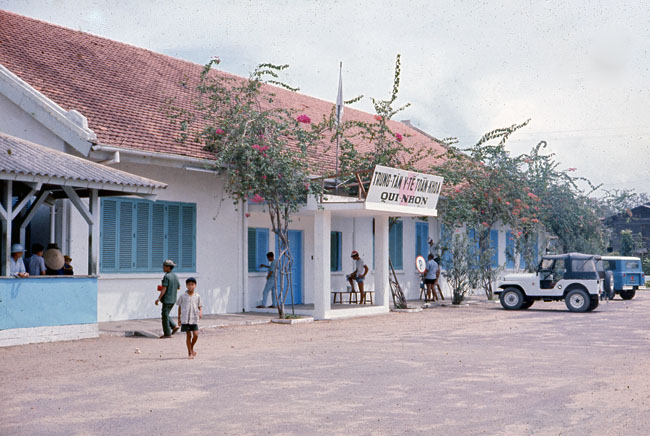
(47, 301)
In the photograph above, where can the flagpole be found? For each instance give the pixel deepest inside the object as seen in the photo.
(339, 113)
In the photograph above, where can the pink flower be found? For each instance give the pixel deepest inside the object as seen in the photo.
(457, 190)
(572, 169)
(533, 196)
(507, 203)
(264, 177)
(248, 215)
(518, 233)
(303, 119)
(398, 137)
(219, 131)
(534, 220)
(485, 224)
(378, 117)
(257, 198)
(260, 148)
(306, 185)
(279, 176)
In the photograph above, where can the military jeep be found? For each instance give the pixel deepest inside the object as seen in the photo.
(571, 277)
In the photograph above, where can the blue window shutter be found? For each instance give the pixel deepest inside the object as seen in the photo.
(421, 239)
(188, 235)
(173, 232)
(108, 237)
(335, 251)
(143, 236)
(395, 245)
(447, 237)
(252, 250)
(536, 249)
(510, 250)
(126, 235)
(494, 244)
(157, 235)
(262, 248)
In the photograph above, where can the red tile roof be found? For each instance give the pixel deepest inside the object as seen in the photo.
(122, 89)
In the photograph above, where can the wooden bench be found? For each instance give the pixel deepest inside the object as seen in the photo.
(353, 297)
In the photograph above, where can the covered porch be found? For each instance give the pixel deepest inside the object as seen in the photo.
(384, 195)
(48, 308)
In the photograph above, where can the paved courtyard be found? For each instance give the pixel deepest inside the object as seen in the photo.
(471, 370)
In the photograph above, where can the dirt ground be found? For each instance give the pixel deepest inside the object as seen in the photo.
(472, 370)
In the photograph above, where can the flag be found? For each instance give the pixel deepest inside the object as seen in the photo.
(339, 97)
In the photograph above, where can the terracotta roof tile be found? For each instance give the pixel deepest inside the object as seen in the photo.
(122, 89)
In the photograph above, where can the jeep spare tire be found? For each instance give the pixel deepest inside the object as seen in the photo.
(511, 299)
(578, 300)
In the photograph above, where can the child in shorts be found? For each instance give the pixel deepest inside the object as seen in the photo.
(190, 310)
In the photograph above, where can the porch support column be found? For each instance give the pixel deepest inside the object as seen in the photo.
(93, 233)
(382, 284)
(7, 216)
(321, 285)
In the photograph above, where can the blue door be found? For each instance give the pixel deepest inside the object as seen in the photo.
(295, 246)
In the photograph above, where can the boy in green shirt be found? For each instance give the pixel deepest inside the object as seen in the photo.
(170, 285)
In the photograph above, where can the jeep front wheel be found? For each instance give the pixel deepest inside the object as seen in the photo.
(628, 295)
(578, 300)
(511, 299)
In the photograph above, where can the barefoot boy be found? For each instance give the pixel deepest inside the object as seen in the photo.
(190, 310)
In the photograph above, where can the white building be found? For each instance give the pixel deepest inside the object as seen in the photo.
(53, 79)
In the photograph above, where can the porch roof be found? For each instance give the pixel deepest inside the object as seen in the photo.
(27, 162)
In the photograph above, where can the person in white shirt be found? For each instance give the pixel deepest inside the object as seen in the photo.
(358, 275)
(16, 264)
(190, 310)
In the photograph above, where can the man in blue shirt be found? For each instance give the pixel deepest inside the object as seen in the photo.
(430, 277)
(36, 263)
(270, 278)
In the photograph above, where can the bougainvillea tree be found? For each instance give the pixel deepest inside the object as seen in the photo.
(260, 148)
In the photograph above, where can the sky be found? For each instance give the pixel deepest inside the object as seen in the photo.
(580, 70)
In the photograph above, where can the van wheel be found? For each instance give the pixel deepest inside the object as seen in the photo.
(511, 299)
(593, 304)
(628, 295)
(578, 300)
(527, 303)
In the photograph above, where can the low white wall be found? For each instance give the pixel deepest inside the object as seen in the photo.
(35, 335)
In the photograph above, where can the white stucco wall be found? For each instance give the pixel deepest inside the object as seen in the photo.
(218, 250)
(15, 122)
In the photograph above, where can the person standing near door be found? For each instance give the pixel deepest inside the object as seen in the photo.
(270, 279)
(358, 275)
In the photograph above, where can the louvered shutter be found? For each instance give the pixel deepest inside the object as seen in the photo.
(262, 247)
(188, 237)
(494, 244)
(108, 238)
(510, 250)
(157, 235)
(173, 232)
(143, 236)
(125, 252)
(252, 250)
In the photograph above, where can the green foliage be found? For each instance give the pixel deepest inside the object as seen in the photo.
(458, 272)
(630, 243)
(381, 145)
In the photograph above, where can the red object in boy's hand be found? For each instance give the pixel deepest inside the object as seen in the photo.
(159, 287)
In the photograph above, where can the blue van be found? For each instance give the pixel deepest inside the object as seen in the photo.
(627, 275)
